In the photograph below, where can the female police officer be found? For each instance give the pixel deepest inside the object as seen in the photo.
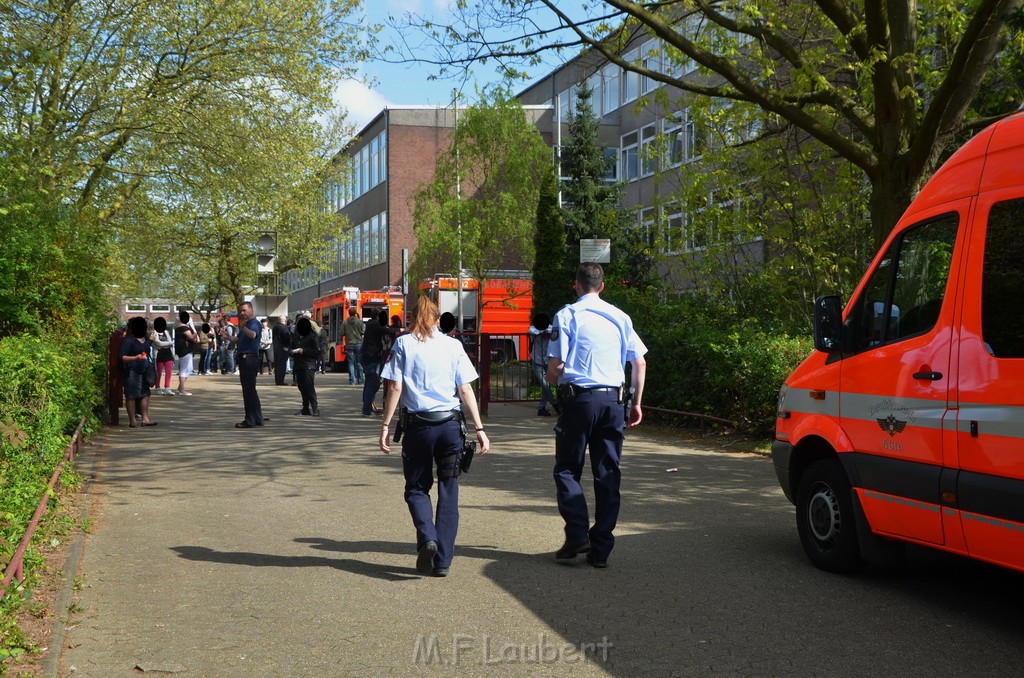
(429, 372)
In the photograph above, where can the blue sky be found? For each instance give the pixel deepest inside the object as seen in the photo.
(403, 84)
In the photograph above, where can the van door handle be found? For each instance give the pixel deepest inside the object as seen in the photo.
(930, 376)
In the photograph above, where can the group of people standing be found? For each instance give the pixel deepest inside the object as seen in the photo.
(428, 377)
(367, 346)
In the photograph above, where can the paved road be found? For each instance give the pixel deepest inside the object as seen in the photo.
(288, 551)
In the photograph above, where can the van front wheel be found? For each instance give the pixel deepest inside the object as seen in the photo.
(824, 518)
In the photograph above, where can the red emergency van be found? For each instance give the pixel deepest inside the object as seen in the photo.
(906, 425)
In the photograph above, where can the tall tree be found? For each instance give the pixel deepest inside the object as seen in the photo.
(886, 85)
(481, 208)
(121, 105)
(552, 274)
(592, 204)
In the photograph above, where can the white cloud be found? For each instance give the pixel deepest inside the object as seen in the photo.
(361, 103)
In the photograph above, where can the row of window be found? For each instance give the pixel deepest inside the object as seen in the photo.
(641, 152)
(612, 87)
(672, 229)
(365, 245)
(369, 168)
(162, 308)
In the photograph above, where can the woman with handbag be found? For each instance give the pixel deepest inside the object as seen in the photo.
(162, 342)
(134, 358)
(185, 340)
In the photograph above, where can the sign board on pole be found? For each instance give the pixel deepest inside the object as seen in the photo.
(598, 250)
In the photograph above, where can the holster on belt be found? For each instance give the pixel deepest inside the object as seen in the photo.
(565, 394)
(403, 415)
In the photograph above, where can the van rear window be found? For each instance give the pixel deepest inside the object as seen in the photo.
(1002, 315)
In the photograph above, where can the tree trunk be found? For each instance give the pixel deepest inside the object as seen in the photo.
(891, 193)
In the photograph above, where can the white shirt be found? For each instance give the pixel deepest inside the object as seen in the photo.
(430, 371)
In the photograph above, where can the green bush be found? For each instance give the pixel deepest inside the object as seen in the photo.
(50, 384)
(705, 359)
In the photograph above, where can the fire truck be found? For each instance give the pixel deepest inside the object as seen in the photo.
(332, 309)
(505, 310)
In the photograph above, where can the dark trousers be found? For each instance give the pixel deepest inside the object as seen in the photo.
(424, 447)
(306, 374)
(280, 364)
(248, 368)
(371, 384)
(595, 419)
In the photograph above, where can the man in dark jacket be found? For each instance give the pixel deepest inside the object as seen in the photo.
(377, 331)
(305, 351)
(281, 340)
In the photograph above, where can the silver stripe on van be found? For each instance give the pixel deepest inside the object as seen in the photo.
(998, 420)
(799, 400)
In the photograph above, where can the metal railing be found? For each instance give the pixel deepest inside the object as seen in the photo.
(16, 568)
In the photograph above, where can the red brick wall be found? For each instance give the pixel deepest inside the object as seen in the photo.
(412, 158)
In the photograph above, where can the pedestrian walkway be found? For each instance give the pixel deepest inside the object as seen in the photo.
(288, 550)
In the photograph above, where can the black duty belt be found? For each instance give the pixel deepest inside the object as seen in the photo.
(432, 417)
(594, 389)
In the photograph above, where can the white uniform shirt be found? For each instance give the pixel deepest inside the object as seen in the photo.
(430, 371)
(594, 340)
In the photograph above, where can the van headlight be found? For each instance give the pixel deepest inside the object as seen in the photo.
(782, 400)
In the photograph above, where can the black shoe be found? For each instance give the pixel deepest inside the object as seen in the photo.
(315, 413)
(304, 413)
(440, 571)
(571, 549)
(244, 424)
(368, 414)
(543, 413)
(425, 557)
(594, 561)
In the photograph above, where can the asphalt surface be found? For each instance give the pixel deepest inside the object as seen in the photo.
(288, 551)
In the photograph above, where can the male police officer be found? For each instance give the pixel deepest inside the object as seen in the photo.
(591, 341)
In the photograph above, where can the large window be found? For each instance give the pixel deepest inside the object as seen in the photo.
(594, 84)
(903, 296)
(1002, 318)
(611, 165)
(694, 136)
(674, 141)
(629, 162)
(630, 80)
(673, 237)
(648, 150)
(650, 55)
(610, 83)
(648, 222)
(565, 106)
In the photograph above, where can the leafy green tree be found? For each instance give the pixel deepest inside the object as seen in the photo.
(142, 122)
(552, 274)
(481, 208)
(886, 86)
(592, 204)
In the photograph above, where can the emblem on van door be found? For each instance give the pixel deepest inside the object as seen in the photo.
(892, 425)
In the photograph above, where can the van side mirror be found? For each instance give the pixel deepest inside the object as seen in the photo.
(828, 324)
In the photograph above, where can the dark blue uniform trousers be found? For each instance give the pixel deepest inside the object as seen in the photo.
(424, 447)
(595, 419)
(248, 368)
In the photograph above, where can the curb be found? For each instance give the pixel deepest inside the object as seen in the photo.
(51, 661)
